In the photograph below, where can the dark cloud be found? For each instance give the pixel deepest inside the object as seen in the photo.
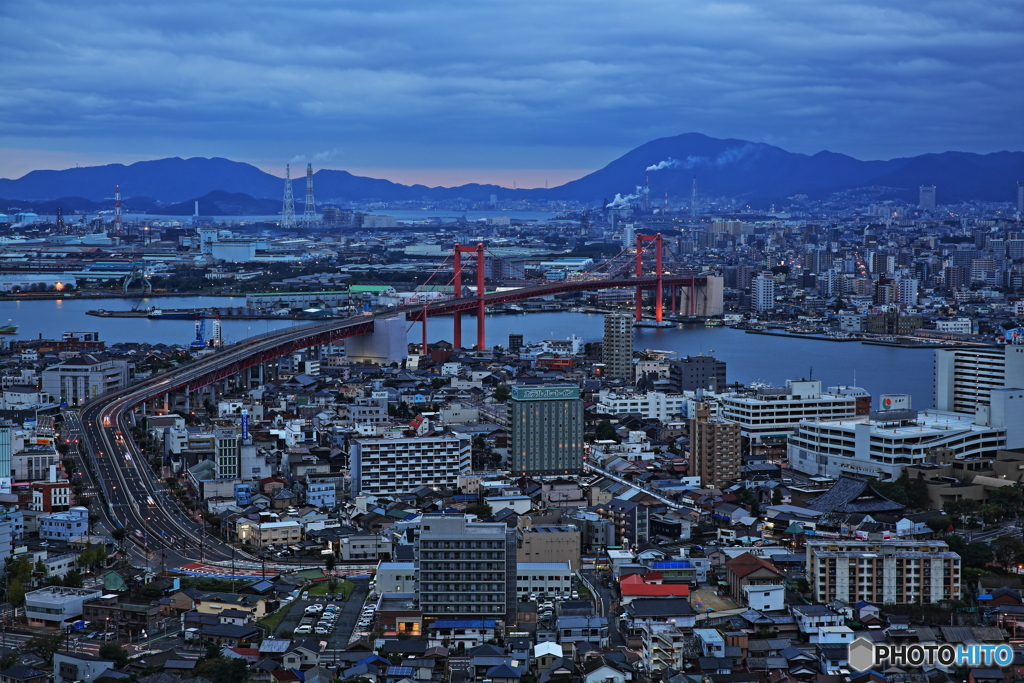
(462, 84)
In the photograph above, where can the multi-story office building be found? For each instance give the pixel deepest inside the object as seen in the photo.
(882, 443)
(82, 378)
(964, 378)
(762, 293)
(715, 453)
(547, 430)
(617, 346)
(394, 466)
(697, 372)
(926, 197)
(774, 412)
(466, 570)
(890, 572)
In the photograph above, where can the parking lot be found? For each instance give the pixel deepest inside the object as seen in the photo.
(344, 622)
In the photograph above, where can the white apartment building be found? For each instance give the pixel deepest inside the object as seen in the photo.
(965, 377)
(762, 292)
(906, 291)
(269, 533)
(890, 572)
(774, 413)
(550, 579)
(881, 444)
(394, 466)
(321, 494)
(957, 325)
(395, 577)
(653, 404)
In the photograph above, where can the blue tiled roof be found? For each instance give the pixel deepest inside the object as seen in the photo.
(465, 623)
(671, 565)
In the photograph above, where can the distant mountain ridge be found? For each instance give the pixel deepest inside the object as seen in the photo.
(752, 171)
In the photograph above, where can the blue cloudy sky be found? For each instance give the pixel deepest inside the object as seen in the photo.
(453, 91)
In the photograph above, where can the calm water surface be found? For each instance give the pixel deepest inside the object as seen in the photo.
(749, 357)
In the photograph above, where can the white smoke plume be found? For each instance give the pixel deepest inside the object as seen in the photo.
(668, 163)
(729, 156)
(621, 201)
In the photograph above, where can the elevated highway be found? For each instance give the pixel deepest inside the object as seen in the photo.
(139, 502)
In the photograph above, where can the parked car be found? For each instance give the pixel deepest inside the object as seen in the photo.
(303, 630)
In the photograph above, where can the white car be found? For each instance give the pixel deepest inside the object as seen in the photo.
(303, 630)
(320, 631)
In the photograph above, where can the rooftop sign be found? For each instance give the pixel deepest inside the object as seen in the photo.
(545, 393)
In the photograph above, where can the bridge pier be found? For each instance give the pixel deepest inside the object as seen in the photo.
(481, 340)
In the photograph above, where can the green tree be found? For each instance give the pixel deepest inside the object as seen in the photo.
(1007, 550)
(605, 431)
(917, 494)
(330, 562)
(120, 534)
(1009, 500)
(19, 568)
(777, 496)
(44, 646)
(16, 593)
(73, 579)
(8, 660)
(938, 524)
(962, 510)
(502, 393)
(482, 510)
(224, 670)
(116, 652)
(977, 554)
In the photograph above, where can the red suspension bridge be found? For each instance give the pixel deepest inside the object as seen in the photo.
(659, 281)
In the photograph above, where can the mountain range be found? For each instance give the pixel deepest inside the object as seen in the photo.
(753, 172)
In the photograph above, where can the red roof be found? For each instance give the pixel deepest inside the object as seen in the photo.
(748, 564)
(634, 585)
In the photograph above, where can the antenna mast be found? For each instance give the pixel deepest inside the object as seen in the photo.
(288, 210)
(309, 217)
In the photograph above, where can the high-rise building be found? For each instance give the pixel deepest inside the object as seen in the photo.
(547, 430)
(466, 570)
(715, 453)
(906, 291)
(828, 283)
(965, 378)
(762, 292)
(691, 373)
(5, 457)
(926, 197)
(227, 454)
(515, 342)
(617, 346)
(890, 571)
(1020, 197)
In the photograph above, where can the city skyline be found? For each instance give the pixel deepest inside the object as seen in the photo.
(524, 96)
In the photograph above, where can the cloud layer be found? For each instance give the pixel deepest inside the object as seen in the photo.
(462, 84)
